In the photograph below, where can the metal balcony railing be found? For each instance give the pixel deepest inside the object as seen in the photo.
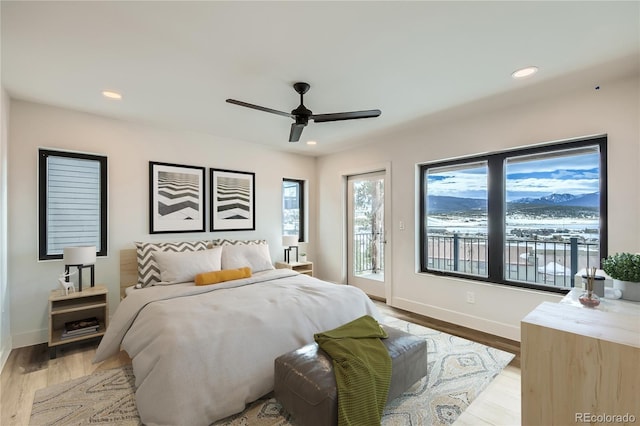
(552, 263)
(368, 252)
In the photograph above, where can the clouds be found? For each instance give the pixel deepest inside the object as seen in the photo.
(465, 183)
(575, 174)
(532, 177)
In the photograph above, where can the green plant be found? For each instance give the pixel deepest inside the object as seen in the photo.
(623, 266)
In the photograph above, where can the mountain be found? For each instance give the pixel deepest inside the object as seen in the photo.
(547, 199)
(586, 200)
(443, 204)
(437, 204)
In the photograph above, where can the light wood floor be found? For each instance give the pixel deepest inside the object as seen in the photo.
(29, 369)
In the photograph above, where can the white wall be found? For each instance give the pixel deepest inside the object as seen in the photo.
(475, 129)
(5, 306)
(498, 309)
(129, 148)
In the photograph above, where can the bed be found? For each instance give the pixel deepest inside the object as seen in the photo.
(201, 353)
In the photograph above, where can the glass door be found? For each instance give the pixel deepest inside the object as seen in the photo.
(366, 233)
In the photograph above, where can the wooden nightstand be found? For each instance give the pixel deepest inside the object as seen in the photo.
(302, 267)
(88, 303)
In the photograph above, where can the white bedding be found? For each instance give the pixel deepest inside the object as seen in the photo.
(201, 353)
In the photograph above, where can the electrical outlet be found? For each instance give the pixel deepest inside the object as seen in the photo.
(471, 297)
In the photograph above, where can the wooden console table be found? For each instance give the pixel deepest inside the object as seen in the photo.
(580, 365)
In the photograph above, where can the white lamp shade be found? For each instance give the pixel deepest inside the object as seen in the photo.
(83, 255)
(289, 240)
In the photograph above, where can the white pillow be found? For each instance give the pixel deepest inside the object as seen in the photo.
(183, 267)
(148, 272)
(255, 256)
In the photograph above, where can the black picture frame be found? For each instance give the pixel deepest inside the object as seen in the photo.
(176, 198)
(232, 201)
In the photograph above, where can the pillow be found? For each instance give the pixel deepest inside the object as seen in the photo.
(255, 256)
(148, 272)
(226, 242)
(215, 277)
(183, 267)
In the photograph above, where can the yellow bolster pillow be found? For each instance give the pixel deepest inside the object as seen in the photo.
(216, 277)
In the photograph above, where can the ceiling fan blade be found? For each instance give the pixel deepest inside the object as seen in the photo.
(338, 116)
(296, 131)
(260, 108)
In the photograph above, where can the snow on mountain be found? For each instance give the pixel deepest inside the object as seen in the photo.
(444, 204)
(585, 200)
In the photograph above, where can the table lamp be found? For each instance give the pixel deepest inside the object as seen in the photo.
(291, 242)
(80, 257)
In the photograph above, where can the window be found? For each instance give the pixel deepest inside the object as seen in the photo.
(293, 208)
(461, 215)
(72, 194)
(531, 217)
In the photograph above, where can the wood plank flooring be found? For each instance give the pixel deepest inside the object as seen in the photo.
(29, 369)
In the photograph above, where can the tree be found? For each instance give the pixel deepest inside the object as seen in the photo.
(369, 213)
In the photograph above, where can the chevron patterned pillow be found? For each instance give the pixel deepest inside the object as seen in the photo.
(225, 242)
(148, 271)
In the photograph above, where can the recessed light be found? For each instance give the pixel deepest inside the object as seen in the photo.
(311, 142)
(111, 94)
(524, 72)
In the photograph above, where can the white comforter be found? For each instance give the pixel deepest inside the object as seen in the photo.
(201, 353)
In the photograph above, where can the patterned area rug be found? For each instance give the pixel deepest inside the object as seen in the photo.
(458, 371)
(102, 397)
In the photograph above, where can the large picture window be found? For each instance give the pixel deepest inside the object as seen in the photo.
(72, 196)
(293, 208)
(530, 217)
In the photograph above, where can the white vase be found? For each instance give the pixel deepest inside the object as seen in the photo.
(303, 258)
(630, 290)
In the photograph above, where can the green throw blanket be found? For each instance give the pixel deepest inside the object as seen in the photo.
(362, 366)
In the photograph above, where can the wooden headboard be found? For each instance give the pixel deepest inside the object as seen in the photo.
(128, 269)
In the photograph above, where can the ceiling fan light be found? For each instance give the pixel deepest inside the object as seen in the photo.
(524, 72)
(110, 94)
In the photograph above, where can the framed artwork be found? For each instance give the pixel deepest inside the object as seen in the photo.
(176, 198)
(232, 200)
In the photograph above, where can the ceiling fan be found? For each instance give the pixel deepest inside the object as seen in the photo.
(301, 114)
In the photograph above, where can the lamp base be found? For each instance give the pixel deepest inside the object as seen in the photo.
(80, 268)
(287, 254)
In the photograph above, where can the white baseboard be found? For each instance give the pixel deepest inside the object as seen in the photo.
(5, 351)
(507, 331)
(30, 338)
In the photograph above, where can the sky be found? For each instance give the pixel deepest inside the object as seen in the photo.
(576, 174)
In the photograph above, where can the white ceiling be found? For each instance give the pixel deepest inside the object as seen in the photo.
(176, 62)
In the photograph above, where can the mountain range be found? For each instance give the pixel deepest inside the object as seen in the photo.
(584, 200)
(445, 204)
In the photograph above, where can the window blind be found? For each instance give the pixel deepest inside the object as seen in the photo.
(73, 203)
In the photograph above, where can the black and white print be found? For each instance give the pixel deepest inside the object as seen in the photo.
(232, 200)
(176, 198)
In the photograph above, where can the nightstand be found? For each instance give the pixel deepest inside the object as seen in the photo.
(88, 303)
(302, 267)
